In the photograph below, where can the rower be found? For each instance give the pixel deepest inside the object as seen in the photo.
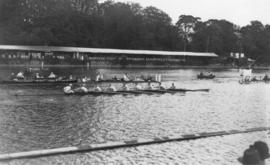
(159, 87)
(37, 76)
(111, 88)
(201, 74)
(254, 79)
(98, 78)
(70, 77)
(139, 87)
(148, 87)
(52, 75)
(97, 89)
(139, 79)
(85, 79)
(125, 87)
(172, 87)
(20, 75)
(68, 90)
(126, 77)
(115, 78)
(82, 89)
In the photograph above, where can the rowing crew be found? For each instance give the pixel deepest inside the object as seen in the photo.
(82, 89)
(20, 76)
(127, 78)
(255, 78)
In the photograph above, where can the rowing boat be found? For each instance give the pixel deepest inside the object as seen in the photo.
(132, 92)
(190, 90)
(38, 82)
(160, 91)
(251, 82)
(136, 92)
(120, 81)
(205, 76)
(53, 81)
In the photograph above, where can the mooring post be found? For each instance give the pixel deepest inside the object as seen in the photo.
(42, 64)
(87, 64)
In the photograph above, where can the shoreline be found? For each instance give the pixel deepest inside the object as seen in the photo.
(137, 67)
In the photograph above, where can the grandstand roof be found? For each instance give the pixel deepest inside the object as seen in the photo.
(104, 50)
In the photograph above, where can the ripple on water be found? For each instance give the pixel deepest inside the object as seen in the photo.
(28, 123)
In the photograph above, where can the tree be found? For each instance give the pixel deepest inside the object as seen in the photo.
(159, 33)
(186, 25)
(255, 41)
(215, 36)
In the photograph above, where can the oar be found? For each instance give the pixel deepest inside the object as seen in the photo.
(197, 90)
(136, 92)
(189, 90)
(154, 91)
(17, 95)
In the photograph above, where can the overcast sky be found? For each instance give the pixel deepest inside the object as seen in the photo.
(240, 12)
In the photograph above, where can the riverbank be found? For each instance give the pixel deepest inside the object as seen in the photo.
(139, 66)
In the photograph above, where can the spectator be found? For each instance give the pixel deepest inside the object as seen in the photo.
(263, 149)
(251, 157)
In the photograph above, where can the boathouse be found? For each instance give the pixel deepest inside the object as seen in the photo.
(54, 55)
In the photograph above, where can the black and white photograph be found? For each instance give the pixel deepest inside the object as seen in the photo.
(134, 82)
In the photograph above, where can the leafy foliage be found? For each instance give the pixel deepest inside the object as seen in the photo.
(111, 24)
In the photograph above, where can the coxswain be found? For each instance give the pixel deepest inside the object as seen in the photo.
(266, 78)
(68, 90)
(52, 75)
(111, 88)
(173, 86)
(125, 77)
(20, 75)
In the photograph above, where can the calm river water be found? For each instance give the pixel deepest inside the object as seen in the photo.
(41, 122)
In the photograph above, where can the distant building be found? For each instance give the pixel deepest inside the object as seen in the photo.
(53, 55)
(237, 55)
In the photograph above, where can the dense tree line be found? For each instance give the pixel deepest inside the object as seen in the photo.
(88, 23)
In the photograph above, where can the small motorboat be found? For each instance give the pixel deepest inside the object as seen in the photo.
(203, 76)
